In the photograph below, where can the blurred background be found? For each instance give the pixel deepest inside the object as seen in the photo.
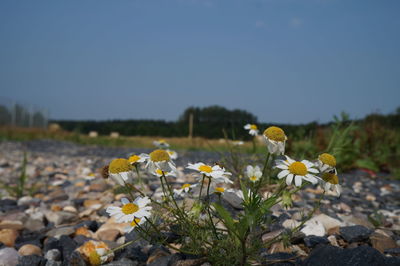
(121, 73)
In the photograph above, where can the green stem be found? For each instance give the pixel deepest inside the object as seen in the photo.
(208, 208)
(139, 177)
(201, 186)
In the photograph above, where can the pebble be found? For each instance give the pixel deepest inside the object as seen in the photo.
(11, 224)
(382, 242)
(8, 257)
(313, 227)
(30, 249)
(61, 217)
(355, 233)
(53, 254)
(8, 237)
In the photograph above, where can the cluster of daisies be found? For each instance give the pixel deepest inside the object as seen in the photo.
(160, 163)
(323, 170)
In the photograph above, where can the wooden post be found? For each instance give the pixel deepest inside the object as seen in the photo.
(191, 126)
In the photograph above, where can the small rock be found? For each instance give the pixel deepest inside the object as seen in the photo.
(75, 259)
(8, 224)
(57, 232)
(290, 223)
(8, 237)
(8, 257)
(53, 254)
(355, 233)
(234, 200)
(370, 197)
(34, 225)
(32, 260)
(271, 235)
(382, 242)
(84, 232)
(90, 203)
(67, 245)
(60, 217)
(327, 221)
(157, 255)
(332, 240)
(30, 249)
(109, 234)
(98, 187)
(25, 200)
(70, 209)
(122, 262)
(313, 227)
(312, 241)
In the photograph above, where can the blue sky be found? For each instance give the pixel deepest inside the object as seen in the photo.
(287, 61)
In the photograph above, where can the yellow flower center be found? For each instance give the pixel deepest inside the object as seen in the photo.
(331, 178)
(253, 178)
(328, 159)
(254, 127)
(160, 172)
(275, 133)
(135, 222)
(159, 156)
(185, 186)
(205, 168)
(162, 141)
(94, 258)
(119, 165)
(298, 168)
(133, 159)
(220, 189)
(129, 208)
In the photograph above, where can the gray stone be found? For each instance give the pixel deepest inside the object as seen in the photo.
(312, 241)
(32, 260)
(122, 262)
(57, 232)
(8, 257)
(60, 217)
(53, 263)
(53, 254)
(355, 233)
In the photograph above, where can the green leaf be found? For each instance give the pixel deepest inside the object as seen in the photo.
(268, 203)
(226, 217)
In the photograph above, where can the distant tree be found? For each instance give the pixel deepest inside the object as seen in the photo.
(5, 116)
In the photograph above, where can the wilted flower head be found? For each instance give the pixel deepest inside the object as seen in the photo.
(120, 170)
(160, 159)
(298, 171)
(276, 139)
(253, 173)
(161, 143)
(253, 130)
(326, 162)
(331, 181)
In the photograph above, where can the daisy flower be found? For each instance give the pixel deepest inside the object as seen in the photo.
(130, 210)
(185, 188)
(326, 162)
(172, 154)
(120, 170)
(160, 159)
(330, 181)
(298, 171)
(215, 172)
(161, 143)
(159, 173)
(253, 130)
(276, 139)
(141, 158)
(253, 173)
(135, 222)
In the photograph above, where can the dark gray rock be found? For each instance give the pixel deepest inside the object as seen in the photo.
(355, 233)
(123, 262)
(52, 243)
(312, 241)
(68, 246)
(393, 251)
(360, 256)
(280, 259)
(53, 254)
(74, 259)
(31, 260)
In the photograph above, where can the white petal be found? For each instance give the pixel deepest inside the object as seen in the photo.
(289, 179)
(298, 180)
(281, 166)
(283, 173)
